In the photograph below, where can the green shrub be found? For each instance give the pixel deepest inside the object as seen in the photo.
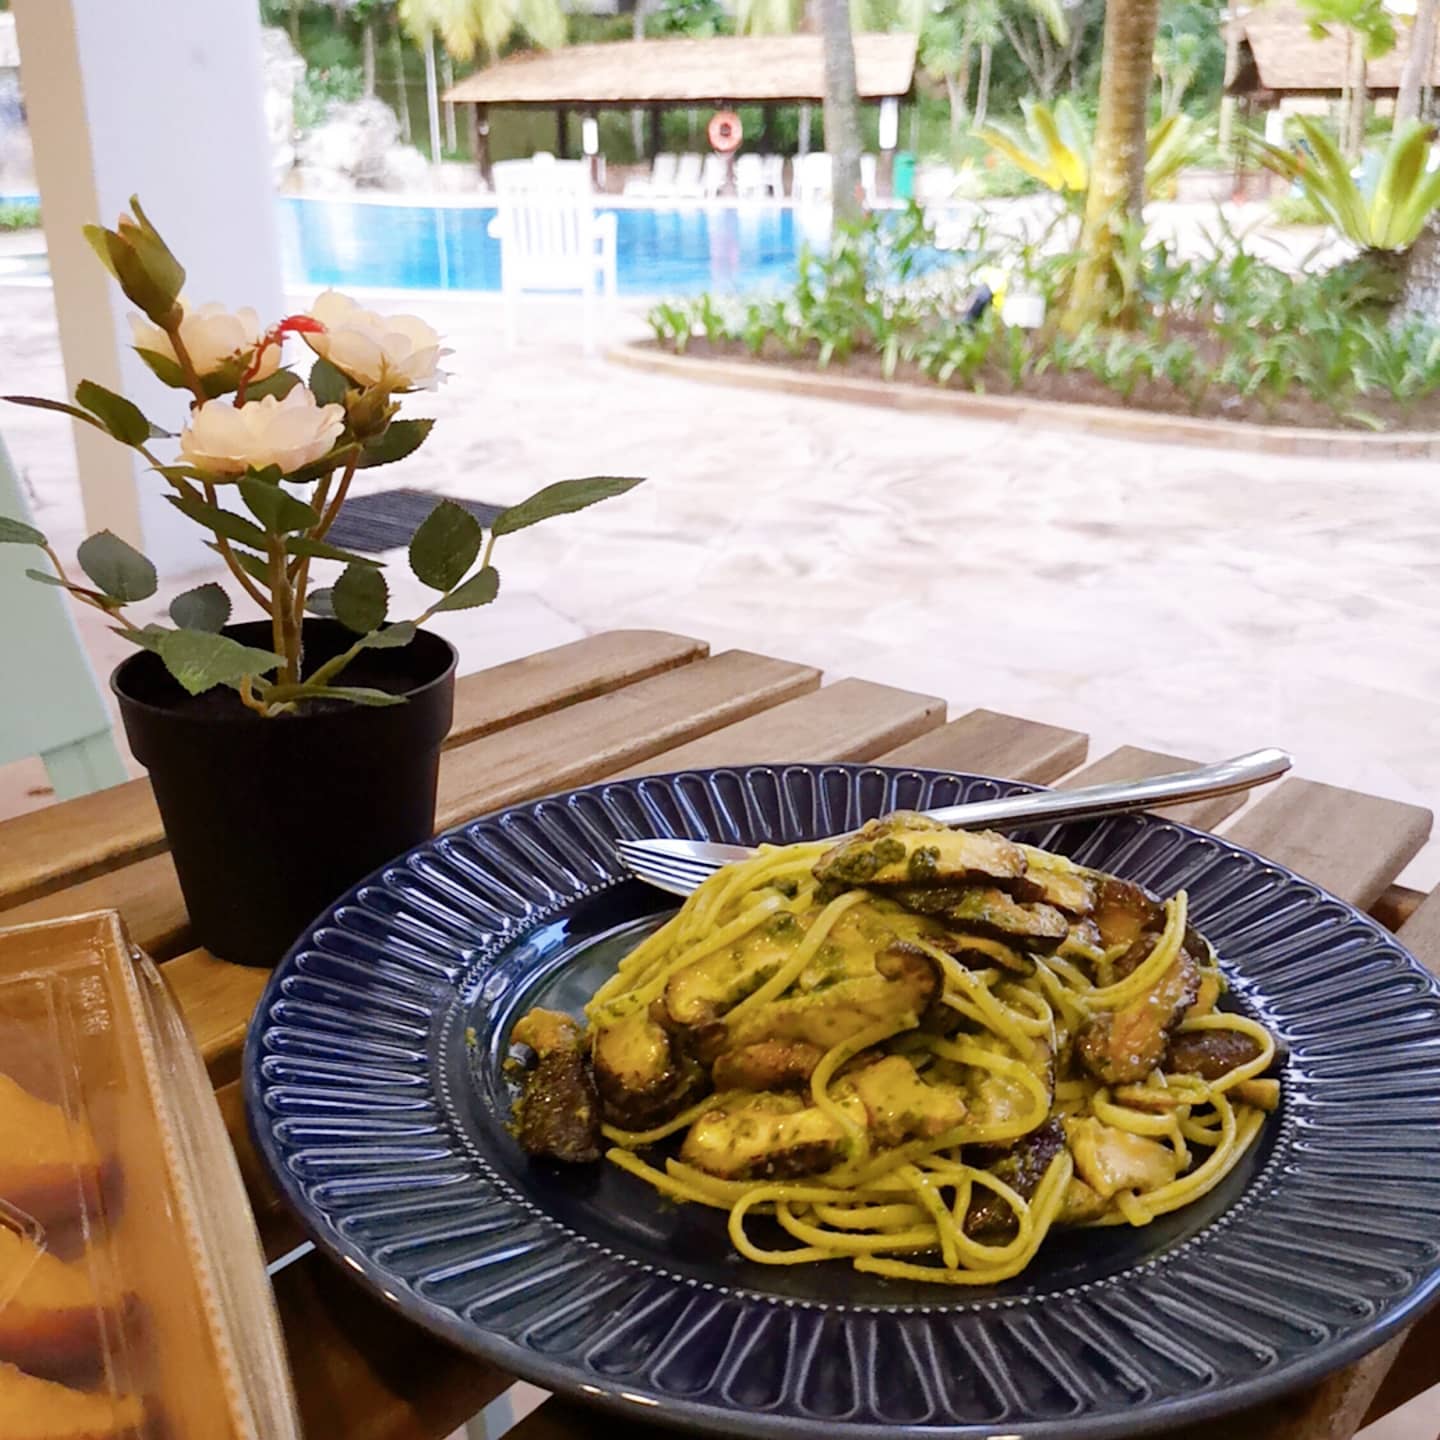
(319, 89)
(1215, 331)
(19, 215)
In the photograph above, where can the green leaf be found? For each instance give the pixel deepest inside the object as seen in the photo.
(206, 607)
(39, 403)
(480, 589)
(123, 419)
(329, 384)
(280, 384)
(118, 569)
(222, 522)
(562, 498)
(399, 439)
(46, 578)
(163, 367)
(321, 602)
(160, 264)
(360, 597)
(356, 695)
(445, 546)
(200, 660)
(392, 637)
(278, 511)
(148, 637)
(323, 550)
(16, 532)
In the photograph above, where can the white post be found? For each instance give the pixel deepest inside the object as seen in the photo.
(164, 99)
(432, 99)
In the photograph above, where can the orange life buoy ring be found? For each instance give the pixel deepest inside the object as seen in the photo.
(725, 131)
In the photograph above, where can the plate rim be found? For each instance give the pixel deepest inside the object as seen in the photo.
(714, 1419)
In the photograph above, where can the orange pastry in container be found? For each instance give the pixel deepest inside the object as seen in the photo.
(35, 1409)
(50, 1315)
(49, 1164)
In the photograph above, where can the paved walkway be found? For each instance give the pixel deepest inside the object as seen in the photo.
(1188, 600)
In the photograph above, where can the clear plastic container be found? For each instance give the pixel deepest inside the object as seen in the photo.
(134, 1302)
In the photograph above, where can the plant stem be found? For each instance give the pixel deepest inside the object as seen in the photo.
(187, 365)
(300, 566)
(283, 631)
(228, 556)
(327, 519)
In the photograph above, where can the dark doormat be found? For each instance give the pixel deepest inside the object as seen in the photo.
(387, 519)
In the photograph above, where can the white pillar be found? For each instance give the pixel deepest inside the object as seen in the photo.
(164, 99)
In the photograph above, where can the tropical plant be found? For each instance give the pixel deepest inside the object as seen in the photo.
(1369, 32)
(254, 432)
(1045, 36)
(1056, 144)
(1387, 206)
(1416, 69)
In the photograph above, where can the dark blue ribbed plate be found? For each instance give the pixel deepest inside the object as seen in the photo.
(373, 1076)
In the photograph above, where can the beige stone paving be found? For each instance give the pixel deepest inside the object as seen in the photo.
(1184, 599)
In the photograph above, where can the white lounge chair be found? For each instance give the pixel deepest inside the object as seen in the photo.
(773, 170)
(661, 180)
(715, 175)
(690, 177)
(550, 237)
(813, 178)
(867, 179)
(751, 180)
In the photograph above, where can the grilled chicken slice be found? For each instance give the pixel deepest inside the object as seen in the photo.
(558, 1113)
(996, 1099)
(901, 988)
(900, 1106)
(767, 1065)
(715, 983)
(1210, 1054)
(1109, 1159)
(642, 1074)
(887, 852)
(1123, 1046)
(1022, 1167)
(766, 1137)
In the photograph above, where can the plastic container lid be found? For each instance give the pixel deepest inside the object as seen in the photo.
(128, 1308)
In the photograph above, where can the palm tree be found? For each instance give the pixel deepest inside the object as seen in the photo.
(1117, 166)
(986, 32)
(842, 108)
(1417, 62)
(467, 26)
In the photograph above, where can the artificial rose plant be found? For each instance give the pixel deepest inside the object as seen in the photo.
(287, 451)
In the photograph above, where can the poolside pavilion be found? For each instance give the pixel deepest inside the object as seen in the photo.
(653, 75)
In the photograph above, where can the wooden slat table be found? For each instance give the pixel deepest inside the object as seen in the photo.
(629, 703)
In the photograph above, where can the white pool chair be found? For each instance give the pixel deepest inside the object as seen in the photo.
(813, 178)
(751, 181)
(772, 168)
(867, 180)
(690, 177)
(715, 175)
(662, 174)
(550, 237)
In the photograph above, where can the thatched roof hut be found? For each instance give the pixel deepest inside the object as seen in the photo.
(768, 69)
(1279, 56)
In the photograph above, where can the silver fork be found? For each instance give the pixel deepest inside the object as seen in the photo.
(679, 866)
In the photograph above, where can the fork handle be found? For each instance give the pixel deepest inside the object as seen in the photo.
(1118, 797)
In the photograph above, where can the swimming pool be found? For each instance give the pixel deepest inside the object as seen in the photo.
(678, 250)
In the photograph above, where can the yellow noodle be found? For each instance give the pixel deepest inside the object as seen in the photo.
(1226, 1020)
(870, 1217)
(929, 1196)
(856, 1133)
(916, 1237)
(1005, 954)
(999, 1017)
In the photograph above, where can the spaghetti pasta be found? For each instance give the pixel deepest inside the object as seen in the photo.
(922, 1076)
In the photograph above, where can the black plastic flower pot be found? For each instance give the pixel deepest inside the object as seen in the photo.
(270, 819)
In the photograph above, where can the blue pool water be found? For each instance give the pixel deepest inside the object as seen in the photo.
(673, 251)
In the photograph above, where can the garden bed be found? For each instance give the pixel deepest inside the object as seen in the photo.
(1066, 402)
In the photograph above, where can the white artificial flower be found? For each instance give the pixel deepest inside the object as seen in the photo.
(212, 335)
(398, 351)
(227, 439)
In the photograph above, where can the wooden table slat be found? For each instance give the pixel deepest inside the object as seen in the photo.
(1352, 844)
(596, 738)
(849, 720)
(986, 742)
(217, 999)
(147, 895)
(519, 690)
(1130, 762)
(76, 839)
